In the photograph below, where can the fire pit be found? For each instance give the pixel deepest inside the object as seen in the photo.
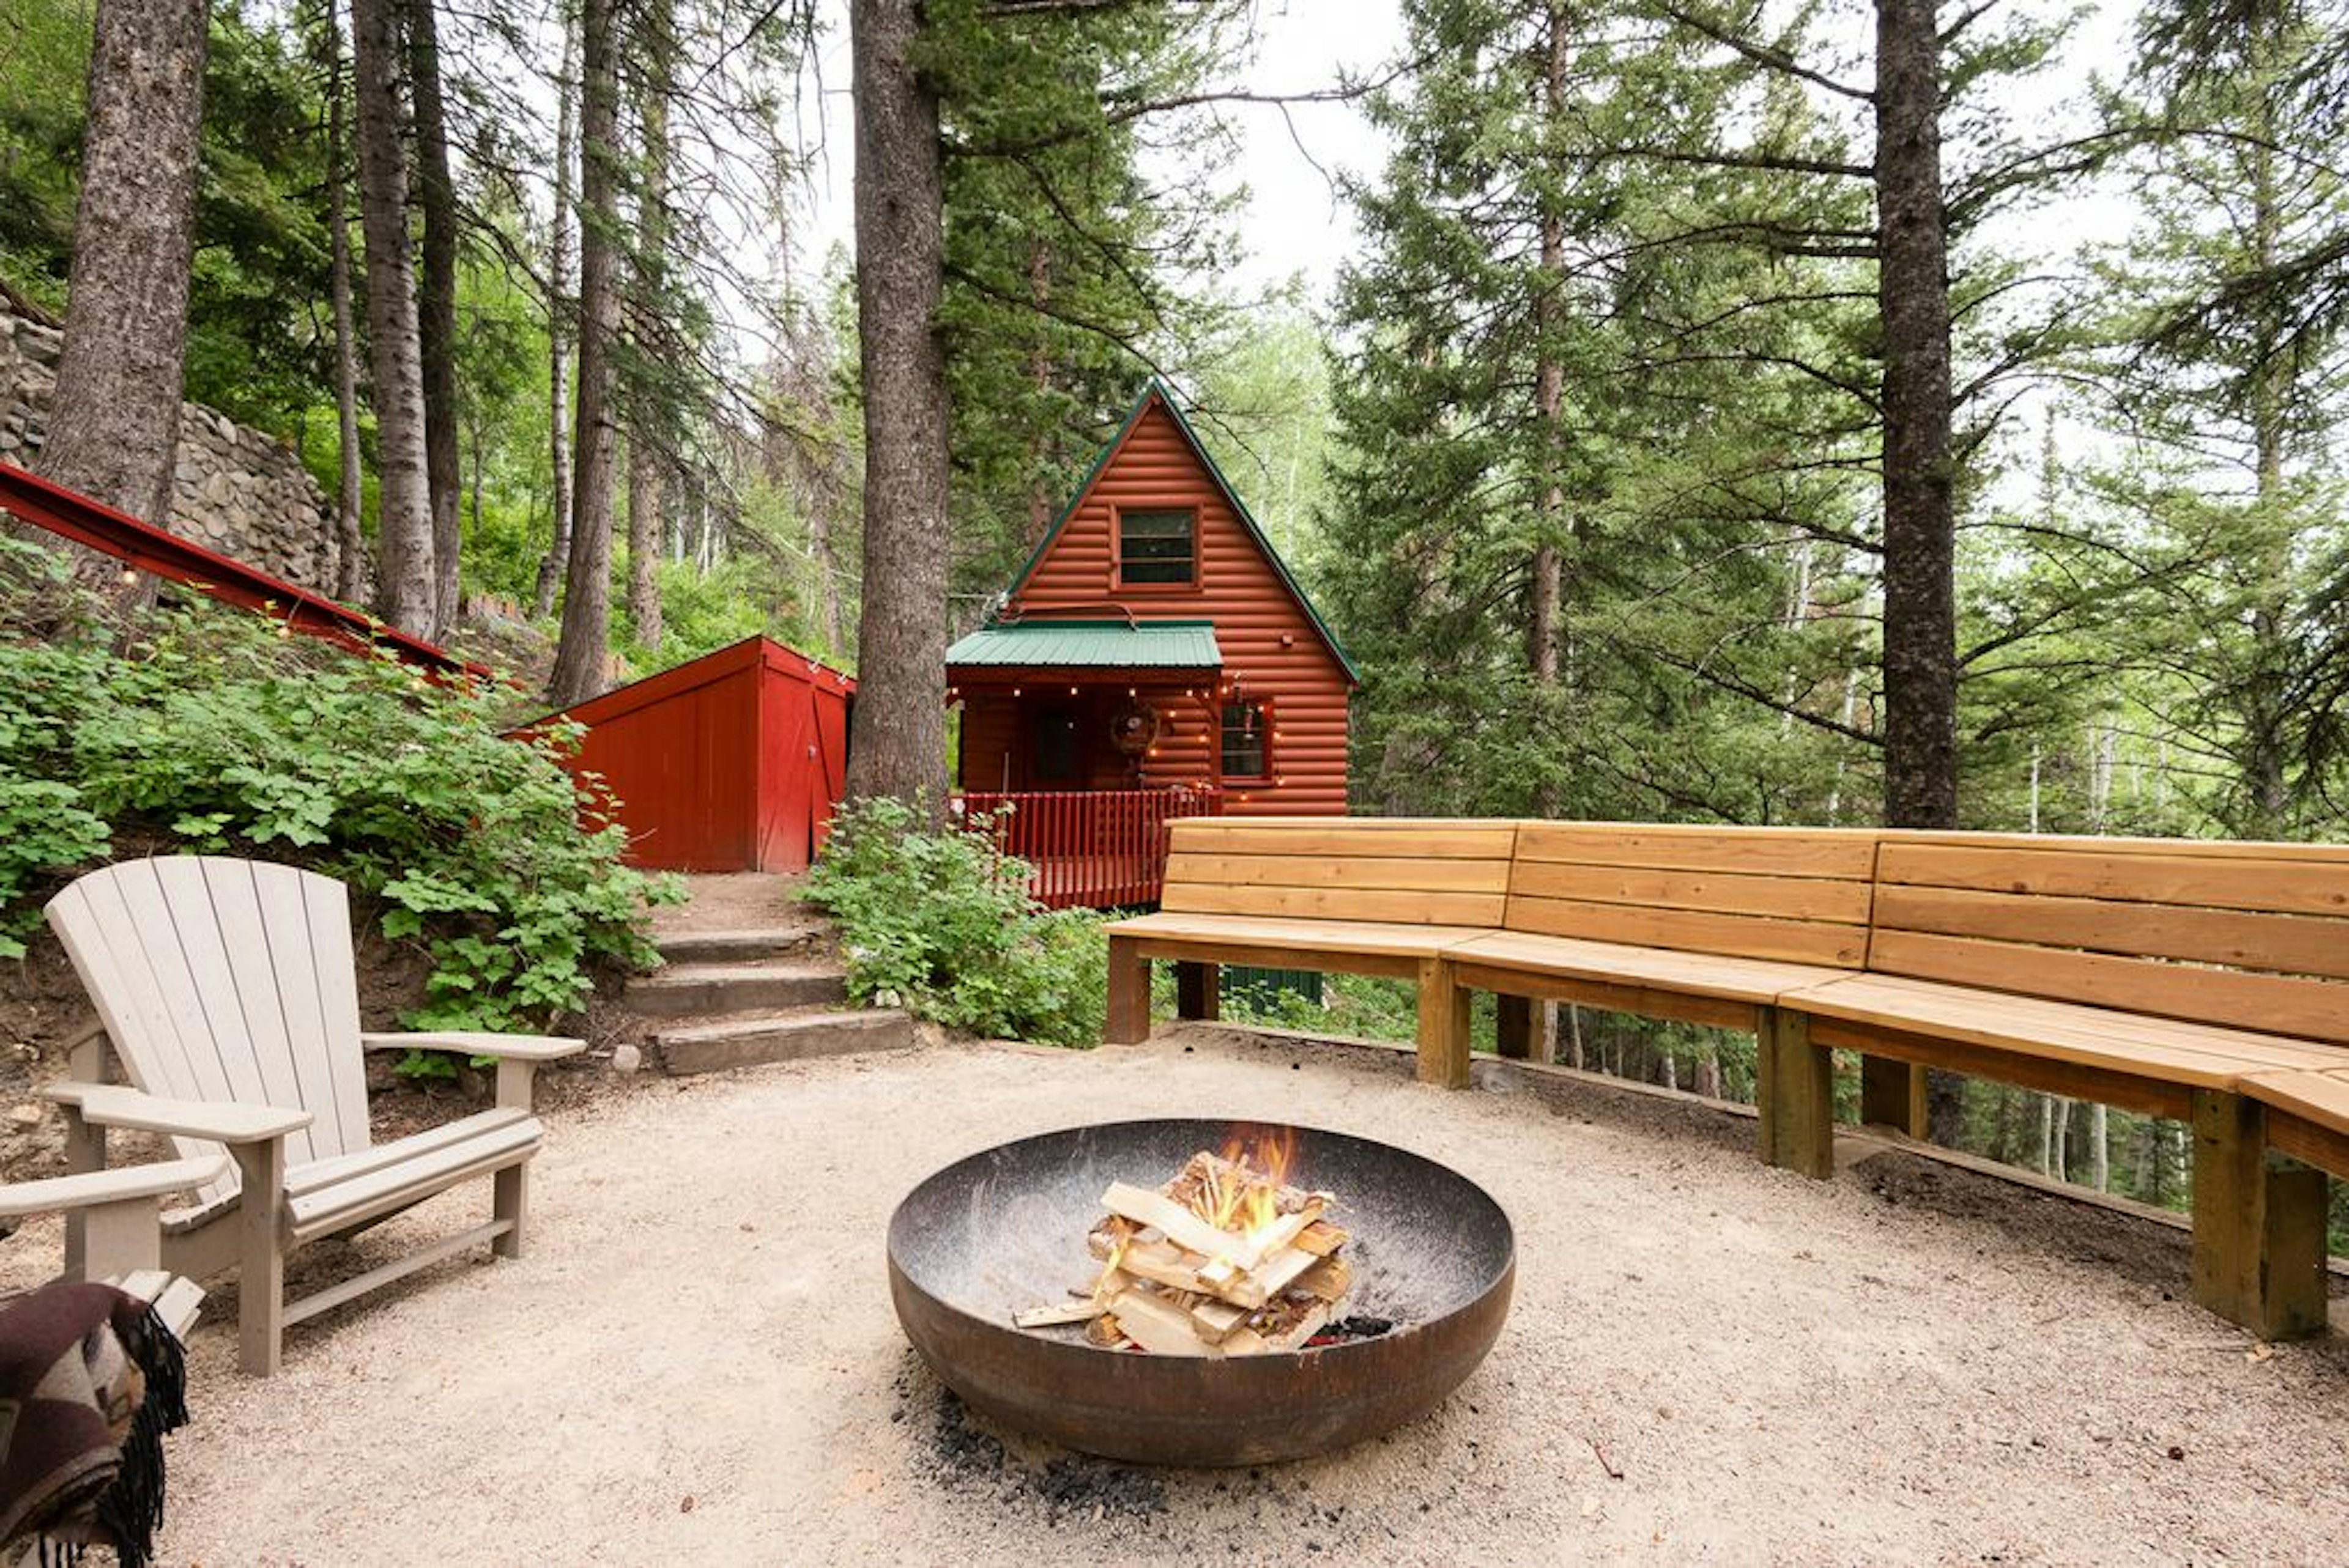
(1431, 1257)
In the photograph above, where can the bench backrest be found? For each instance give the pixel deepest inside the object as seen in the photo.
(1418, 873)
(2251, 936)
(1794, 894)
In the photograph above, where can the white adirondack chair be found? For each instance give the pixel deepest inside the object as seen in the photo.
(227, 990)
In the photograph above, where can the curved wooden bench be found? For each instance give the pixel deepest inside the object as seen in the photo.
(2204, 981)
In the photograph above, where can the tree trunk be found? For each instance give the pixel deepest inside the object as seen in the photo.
(437, 306)
(581, 651)
(1041, 500)
(404, 586)
(1549, 398)
(2267, 565)
(1920, 682)
(350, 578)
(650, 428)
(114, 418)
(897, 741)
(558, 329)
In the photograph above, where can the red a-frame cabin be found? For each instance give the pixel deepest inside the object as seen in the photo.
(1154, 658)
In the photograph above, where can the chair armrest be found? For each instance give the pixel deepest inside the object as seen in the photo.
(90, 1189)
(514, 1047)
(109, 1106)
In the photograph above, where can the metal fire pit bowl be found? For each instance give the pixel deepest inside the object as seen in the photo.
(1006, 1229)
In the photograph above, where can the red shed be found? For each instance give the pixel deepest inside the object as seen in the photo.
(730, 763)
(1154, 658)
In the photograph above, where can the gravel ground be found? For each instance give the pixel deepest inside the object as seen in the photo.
(697, 1361)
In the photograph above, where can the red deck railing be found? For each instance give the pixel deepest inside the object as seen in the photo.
(1092, 849)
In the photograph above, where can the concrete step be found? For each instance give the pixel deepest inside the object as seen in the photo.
(695, 990)
(738, 946)
(783, 1037)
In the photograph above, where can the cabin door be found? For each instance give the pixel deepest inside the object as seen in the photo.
(1055, 754)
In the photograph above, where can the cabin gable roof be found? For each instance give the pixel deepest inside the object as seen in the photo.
(1157, 392)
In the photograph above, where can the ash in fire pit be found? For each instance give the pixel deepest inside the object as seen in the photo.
(1280, 1321)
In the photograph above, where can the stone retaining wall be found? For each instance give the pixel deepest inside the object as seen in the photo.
(239, 492)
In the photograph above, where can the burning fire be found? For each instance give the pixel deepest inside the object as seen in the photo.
(1243, 1196)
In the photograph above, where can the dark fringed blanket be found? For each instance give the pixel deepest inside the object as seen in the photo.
(89, 1382)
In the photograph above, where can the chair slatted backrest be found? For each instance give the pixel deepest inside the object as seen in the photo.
(227, 980)
(2248, 934)
(1798, 895)
(1397, 870)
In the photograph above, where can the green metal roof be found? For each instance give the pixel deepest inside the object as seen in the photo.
(1092, 644)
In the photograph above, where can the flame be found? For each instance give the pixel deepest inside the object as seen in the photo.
(1244, 1195)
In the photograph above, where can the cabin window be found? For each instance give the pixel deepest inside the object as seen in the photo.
(1247, 741)
(1157, 548)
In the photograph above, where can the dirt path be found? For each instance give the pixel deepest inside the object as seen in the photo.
(697, 1362)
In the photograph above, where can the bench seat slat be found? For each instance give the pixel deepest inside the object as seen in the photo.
(1391, 940)
(2319, 1096)
(1753, 980)
(2204, 1056)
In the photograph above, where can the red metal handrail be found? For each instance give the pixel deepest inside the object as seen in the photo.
(1089, 849)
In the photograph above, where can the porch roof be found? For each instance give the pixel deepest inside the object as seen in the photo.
(1091, 644)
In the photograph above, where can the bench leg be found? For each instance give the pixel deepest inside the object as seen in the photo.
(1443, 1026)
(1892, 1094)
(1795, 1094)
(2259, 1223)
(1128, 1021)
(1513, 1026)
(1199, 991)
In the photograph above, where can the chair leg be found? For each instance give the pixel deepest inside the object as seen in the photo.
(261, 1261)
(2259, 1223)
(1513, 1026)
(510, 1200)
(85, 1150)
(118, 1239)
(1795, 1095)
(1443, 1026)
(1128, 1023)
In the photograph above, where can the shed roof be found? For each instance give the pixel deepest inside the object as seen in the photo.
(1091, 644)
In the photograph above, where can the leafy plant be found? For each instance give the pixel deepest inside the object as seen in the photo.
(220, 734)
(940, 923)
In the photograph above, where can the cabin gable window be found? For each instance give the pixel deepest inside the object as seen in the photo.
(1158, 548)
(1248, 741)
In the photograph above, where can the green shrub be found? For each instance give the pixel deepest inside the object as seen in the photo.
(218, 732)
(940, 923)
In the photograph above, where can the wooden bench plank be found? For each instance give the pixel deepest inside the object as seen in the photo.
(1338, 903)
(1722, 893)
(2194, 1056)
(1745, 936)
(1336, 936)
(1343, 836)
(1747, 980)
(2242, 939)
(1452, 874)
(2287, 879)
(2316, 1095)
(1848, 854)
(2310, 1008)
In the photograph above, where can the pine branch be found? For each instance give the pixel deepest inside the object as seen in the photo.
(1764, 54)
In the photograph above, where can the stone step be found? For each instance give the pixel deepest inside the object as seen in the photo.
(735, 946)
(783, 1038)
(693, 990)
